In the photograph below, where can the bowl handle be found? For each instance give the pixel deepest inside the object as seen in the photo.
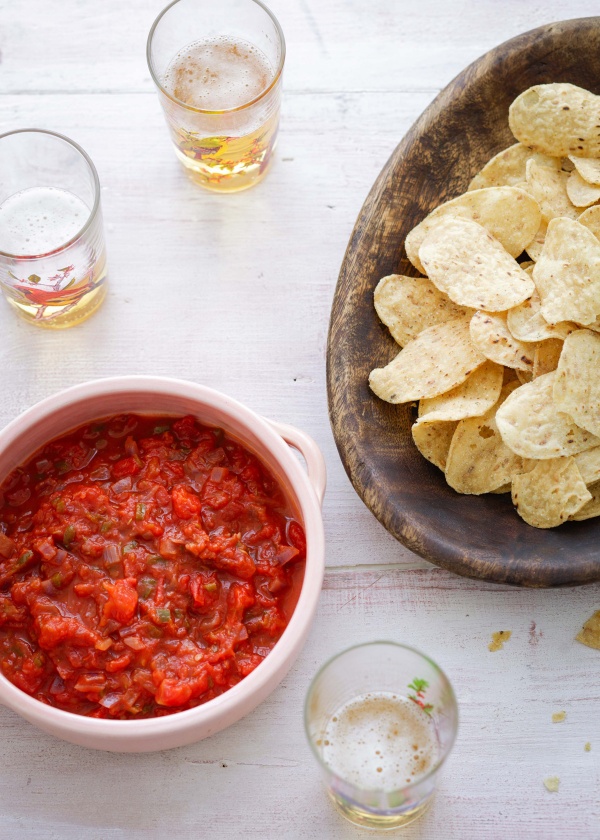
(315, 463)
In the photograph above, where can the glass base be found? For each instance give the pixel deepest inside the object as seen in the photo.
(212, 178)
(61, 317)
(384, 821)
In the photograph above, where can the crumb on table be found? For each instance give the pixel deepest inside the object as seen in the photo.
(498, 639)
(558, 717)
(590, 632)
(551, 783)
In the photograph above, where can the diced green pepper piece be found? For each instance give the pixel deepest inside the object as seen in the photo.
(68, 536)
(164, 616)
(146, 587)
(24, 558)
(57, 580)
(140, 511)
(156, 560)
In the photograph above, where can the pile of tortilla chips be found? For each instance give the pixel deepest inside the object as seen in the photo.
(501, 338)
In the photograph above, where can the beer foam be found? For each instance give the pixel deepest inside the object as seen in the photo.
(218, 74)
(39, 220)
(380, 741)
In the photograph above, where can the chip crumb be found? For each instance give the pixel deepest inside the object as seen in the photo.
(590, 632)
(498, 639)
(558, 717)
(588, 747)
(551, 783)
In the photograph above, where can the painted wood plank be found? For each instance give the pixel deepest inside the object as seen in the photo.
(333, 45)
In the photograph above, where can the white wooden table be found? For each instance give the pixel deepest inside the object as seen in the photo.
(234, 292)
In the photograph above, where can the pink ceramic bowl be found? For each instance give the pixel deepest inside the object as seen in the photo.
(271, 442)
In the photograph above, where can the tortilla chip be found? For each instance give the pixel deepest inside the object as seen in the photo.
(534, 249)
(510, 215)
(409, 305)
(577, 385)
(549, 188)
(546, 356)
(557, 119)
(471, 267)
(590, 632)
(580, 193)
(591, 219)
(588, 464)
(590, 509)
(507, 168)
(433, 440)
(437, 360)
(524, 376)
(567, 274)
(550, 493)
(479, 392)
(588, 168)
(478, 461)
(526, 322)
(533, 427)
(490, 334)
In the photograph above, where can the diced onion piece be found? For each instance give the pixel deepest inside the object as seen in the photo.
(134, 642)
(111, 554)
(286, 553)
(101, 474)
(122, 485)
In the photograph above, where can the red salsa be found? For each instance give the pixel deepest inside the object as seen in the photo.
(147, 564)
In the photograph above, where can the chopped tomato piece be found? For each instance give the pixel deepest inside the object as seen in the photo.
(185, 503)
(122, 600)
(125, 467)
(173, 693)
(52, 630)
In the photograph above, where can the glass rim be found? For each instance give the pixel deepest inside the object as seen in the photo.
(192, 108)
(92, 212)
(381, 642)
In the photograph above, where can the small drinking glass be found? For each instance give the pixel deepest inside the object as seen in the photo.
(381, 719)
(52, 252)
(218, 70)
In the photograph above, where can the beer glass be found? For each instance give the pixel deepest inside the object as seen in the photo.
(218, 71)
(52, 252)
(381, 719)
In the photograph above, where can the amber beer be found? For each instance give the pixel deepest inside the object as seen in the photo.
(221, 94)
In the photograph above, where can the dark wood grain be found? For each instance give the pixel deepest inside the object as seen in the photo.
(477, 536)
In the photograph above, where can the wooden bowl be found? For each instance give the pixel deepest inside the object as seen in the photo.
(477, 536)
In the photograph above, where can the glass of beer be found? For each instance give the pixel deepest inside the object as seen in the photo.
(381, 719)
(52, 252)
(218, 69)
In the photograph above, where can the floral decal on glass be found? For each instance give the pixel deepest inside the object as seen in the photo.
(419, 687)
